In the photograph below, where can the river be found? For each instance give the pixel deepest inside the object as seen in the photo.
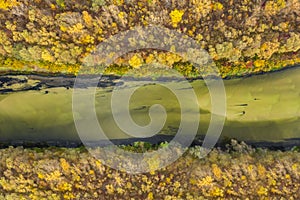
(261, 108)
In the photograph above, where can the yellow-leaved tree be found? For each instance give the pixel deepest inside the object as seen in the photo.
(7, 4)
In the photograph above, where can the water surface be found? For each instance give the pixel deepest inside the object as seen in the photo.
(259, 108)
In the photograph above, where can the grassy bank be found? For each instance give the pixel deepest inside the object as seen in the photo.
(237, 172)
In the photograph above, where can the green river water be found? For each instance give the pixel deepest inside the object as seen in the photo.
(259, 108)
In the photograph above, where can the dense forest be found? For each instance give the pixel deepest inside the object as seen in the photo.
(241, 36)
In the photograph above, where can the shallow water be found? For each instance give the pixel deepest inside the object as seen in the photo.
(259, 108)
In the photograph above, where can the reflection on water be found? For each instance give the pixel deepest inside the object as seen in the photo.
(259, 108)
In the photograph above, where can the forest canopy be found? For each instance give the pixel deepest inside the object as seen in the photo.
(242, 37)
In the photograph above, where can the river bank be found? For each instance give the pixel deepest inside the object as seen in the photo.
(39, 80)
